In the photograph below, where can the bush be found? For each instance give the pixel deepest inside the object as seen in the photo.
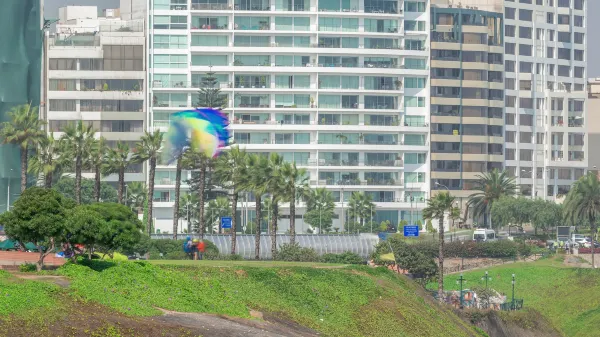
(344, 258)
(230, 257)
(181, 255)
(409, 257)
(27, 268)
(293, 252)
(173, 250)
(472, 249)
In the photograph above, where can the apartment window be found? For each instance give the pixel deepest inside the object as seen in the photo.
(578, 20)
(525, 120)
(170, 42)
(413, 6)
(62, 64)
(509, 30)
(211, 40)
(509, 13)
(564, 37)
(111, 105)
(525, 85)
(509, 66)
(539, 138)
(112, 85)
(526, 67)
(414, 82)
(578, 55)
(509, 118)
(91, 64)
(415, 102)
(410, 25)
(123, 58)
(550, 18)
(525, 103)
(549, 52)
(564, 3)
(551, 69)
(170, 61)
(474, 38)
(509, 154)
(510, 101)
(563, 19)
(525, 50)
(578, 72)
(578, 4)
(170, 22)
(578, 37)
(525, 14)
(564, 54)
(551, 34)
(526, 155)
(210, 60)
(526, 137)
(62, 85)
(564, 71)
(525, 32)
(509, 136)
(509, 84)
(63, 105)
(509, 48)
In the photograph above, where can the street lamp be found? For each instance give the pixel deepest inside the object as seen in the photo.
(486, 277)
(512, 304)
(460, 281)
(442, 185)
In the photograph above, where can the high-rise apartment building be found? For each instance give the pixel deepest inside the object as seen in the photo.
(467, 97)
(95, 72)
(339, 87)
(545, 65)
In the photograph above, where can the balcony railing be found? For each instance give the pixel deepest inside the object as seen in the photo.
(211, 7)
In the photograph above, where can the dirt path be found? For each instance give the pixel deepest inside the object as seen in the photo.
(579, 261)
(58, 280)
(221, 326)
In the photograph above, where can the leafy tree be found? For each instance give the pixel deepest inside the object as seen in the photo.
(419, 223)
(583, 203)
(409, 258)
(117, 162)
(96, 162)
(46, 162)
(201, 181)
(148, 149)
(295, 181)
(66, 186)
(84, 226)
(188, 207)
(436, 208)
(429, 227)
(545, 214)
(232, 173)
(210, 95)
(320, 206)
(259, 166)
(38, 216)
(24, 130)
(76, 141)
(489, 187)
(454, 215)
(512, 212)
(123, 229)
(216, 209)
(136, 195)
(361, 206)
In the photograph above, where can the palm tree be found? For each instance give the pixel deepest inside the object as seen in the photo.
(360, 206)
(231, 171)
(490, 186)
(187, 206)
(260, 168)
(274, 186)
(198, 161)
(582, 204)
(46, 162)
(117, 161)
(295, 181)
(96, 161)
(148, 149)
(320, 207)
(25, 130)
(136, 195)
(436, 209)
(77, 140)
(216, 209)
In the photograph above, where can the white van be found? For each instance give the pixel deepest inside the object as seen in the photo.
(484, 235)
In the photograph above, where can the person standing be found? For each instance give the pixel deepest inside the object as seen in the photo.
(201, 247)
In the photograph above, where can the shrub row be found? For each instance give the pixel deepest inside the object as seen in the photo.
(472, 249)
(173, 250)
(294, 252)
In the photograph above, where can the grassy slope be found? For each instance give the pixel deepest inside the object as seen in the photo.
(338, 302)
(244, 263)
(19, 297)
(569, 298)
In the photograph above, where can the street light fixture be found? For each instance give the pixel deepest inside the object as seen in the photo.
(512, 304)
(442, 185)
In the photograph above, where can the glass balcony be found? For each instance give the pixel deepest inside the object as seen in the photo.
(252, 101)
(214, 5)
(252, 5)
(252, 23)
(252, 138)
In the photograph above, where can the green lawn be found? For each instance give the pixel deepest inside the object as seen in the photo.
(568, 297)
(244, 263)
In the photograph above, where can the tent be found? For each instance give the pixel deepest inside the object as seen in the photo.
(7, 245)
(30, 246)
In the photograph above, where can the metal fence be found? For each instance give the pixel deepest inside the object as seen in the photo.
(361, 244)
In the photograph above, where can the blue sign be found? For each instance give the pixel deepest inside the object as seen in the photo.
(383, 236)
(411, 231)
(226, 222)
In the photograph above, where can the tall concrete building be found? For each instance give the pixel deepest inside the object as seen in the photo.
(340, 88)
(593, 122)
(545, 64)
(96, 73)
(467, 97)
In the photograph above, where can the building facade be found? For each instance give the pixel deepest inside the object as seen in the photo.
(593, 122)
(545, 64)
(96, 73)
(467, 97)
(340, 88)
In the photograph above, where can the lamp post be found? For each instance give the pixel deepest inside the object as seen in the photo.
(8, 191)
(512, 304)
(460, 281)
(486, 277)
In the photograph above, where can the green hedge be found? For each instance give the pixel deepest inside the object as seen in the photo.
(472, 249)
(173, 250)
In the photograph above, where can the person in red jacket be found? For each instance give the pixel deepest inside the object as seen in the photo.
(200, 249)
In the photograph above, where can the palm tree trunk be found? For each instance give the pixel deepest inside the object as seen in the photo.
(258, 221)
(48, 180)
(593, 230)
(202, 187)
(121, 184)
(152, 172)
(441, 261)
(234, 200)
(177, 193)
(24, 152)
(78, 179)
(274, 226)
(97, 184)
(293, 218)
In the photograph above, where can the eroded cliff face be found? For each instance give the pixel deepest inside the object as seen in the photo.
(524, 323)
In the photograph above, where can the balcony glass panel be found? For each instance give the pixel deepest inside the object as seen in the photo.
(340, 178)
(252, 118)
(292, 5)
(252, 101)
(210, 40)
(210, 5)
(380, 43)
(380, 159)
(251, 138)
(252, 5)
(381, 196)
(410, 44)
(338, 5)
(349, 119)
(381, 83)
(338, 61)
(338, 42)
(300, 158)
(206, 22)
(170, 100)
(300, 119)
(415, 158)
(292, 138)
(414, 177)
(381, 6)
(338, 82)
(329, 119)
(381, 26)
(327, 24)
(338, 138)
(412, 63)
(338, 158)
(381, 102)
(292, 23)
(381, 120)
(418, 140)
(381, 178)
(292, 41)
(414, 121)
(380, 62)
(200, 81)
(252, 81)
(252, 23)
(252, 41)
(291, 61)
(378, 139)
(252, 60)
(292, 101)
(210, 60)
